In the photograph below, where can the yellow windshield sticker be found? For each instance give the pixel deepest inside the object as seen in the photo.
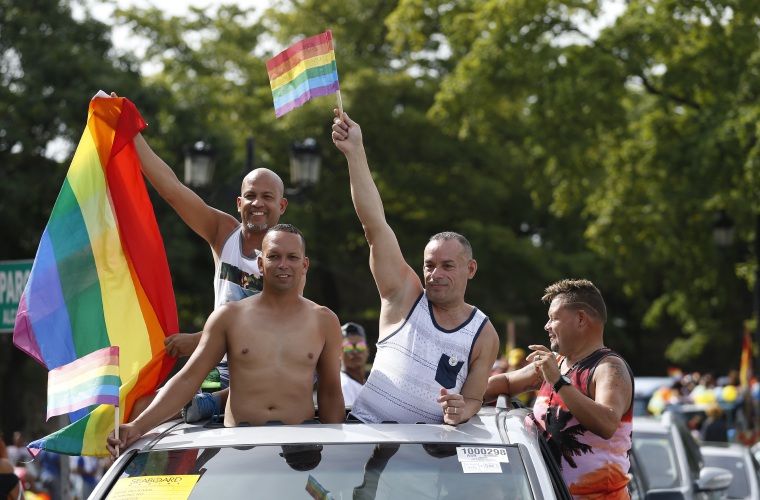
(176, 487)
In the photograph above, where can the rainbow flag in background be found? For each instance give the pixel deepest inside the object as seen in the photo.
(303, 71)
(745, 367)
(90, 380)
(100, 277)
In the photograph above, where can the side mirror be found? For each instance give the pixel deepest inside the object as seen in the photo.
(713, 479)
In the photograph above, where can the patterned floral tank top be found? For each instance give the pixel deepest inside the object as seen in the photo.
(593, 467)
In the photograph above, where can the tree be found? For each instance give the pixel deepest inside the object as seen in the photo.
(51, 65)
(641, 133)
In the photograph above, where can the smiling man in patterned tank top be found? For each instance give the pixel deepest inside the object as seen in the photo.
(584, 407)
(434, 351)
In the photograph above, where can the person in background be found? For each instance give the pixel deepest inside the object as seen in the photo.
(714, 428)
(353, 361)
(87, 472)
(584, 406)
(10, 484)
(50, 474)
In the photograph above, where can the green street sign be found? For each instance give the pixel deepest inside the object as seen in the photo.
(13, 276)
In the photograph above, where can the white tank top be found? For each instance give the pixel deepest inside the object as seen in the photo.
(413, 363)
(236, 276)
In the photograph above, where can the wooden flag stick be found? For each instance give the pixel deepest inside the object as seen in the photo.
(340, 103)
(116, 428)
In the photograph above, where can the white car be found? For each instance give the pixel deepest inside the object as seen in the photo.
(671, 461)
(738, 459)
(494, 455)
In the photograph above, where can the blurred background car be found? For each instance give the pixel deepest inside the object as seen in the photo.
(643, 390)
(740, 461)
(493, 455)
(670, 459)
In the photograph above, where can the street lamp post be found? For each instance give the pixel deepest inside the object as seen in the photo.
(199, 165)
(305, 163)
(723, 234)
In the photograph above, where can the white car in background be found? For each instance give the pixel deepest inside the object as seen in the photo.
(738, 459)
(493, 456)
(671, 462)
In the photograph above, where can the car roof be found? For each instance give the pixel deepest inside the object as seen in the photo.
(646, 386)
(726, 449)
(481, 429)
(650, 424)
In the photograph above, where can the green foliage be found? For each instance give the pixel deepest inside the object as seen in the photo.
(639, 135)
(558, 151)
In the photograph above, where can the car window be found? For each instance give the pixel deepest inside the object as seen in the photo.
(655, 455)
(739, 487)
(693, 455)
(357, 471)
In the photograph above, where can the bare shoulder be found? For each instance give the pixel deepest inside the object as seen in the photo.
(488, 338)
(615, 370)
(323, 313)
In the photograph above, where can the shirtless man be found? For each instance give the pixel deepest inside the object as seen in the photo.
(275, 342)
(435, 351)
(234, 245)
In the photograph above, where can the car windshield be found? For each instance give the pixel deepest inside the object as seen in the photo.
(739, 485)
(656, 455)
(337, 471)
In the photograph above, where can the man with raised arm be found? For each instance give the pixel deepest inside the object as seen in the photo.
(234, 244)
(434, 351)
(275, 341)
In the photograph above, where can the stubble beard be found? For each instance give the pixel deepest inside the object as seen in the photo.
(256, 228)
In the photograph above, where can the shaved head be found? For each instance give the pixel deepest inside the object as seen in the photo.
(265, 173)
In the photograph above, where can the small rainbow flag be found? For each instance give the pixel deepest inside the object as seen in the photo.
(316, 490)
(90, 380)
(303, 71)
(100, 277)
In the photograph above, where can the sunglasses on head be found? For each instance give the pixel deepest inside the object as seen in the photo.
(348, 347)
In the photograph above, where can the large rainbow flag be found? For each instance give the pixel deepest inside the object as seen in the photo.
(304, 70)
(100, 277)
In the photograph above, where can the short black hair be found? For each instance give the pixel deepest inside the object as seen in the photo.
(289, 228)
(577, 293)
(451, 235)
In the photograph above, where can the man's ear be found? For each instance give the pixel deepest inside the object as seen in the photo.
(582, 317)
(283, 205)
(472, 267)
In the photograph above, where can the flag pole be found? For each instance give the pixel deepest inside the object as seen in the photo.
(116, 427)
(340, 103)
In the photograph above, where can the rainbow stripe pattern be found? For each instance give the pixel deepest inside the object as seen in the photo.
(90, 380)
(100, 277)
(304, 70)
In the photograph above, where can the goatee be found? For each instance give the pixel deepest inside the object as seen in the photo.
(257, 228)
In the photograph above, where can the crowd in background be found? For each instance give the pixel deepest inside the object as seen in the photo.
(41, 476)
(718, 408)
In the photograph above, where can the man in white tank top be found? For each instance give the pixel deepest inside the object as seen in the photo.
(235, 244)
(428, 334)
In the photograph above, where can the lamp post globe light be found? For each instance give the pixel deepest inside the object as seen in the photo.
(199, 165)
(305, 163)
(723, 230)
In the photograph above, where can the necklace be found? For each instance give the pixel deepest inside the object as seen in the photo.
(581, 361)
